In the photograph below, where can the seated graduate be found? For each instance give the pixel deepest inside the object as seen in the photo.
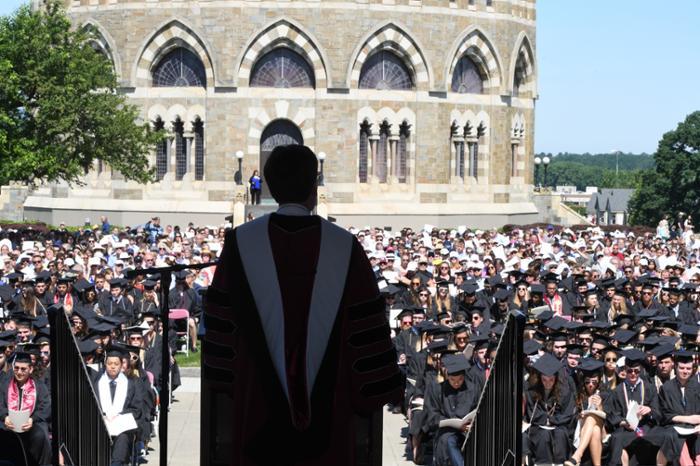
(626, 441)
(679, 400)
(119, 395)
(549, 409)
(453, 399)
(590, 413)
(418, 427)
(22, 393)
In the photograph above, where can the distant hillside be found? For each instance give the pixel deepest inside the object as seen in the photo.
(606, 161)
(585, 170)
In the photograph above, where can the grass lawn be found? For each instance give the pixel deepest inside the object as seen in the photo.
(192, 360)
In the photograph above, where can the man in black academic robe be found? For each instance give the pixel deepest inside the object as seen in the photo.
(679, 401)
(32, 395)
(108, 387)
(114, 303)
(453, 399)
(644, 441)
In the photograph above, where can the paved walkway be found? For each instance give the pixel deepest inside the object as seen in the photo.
(183, 435)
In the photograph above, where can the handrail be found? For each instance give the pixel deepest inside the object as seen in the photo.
(495, 436)
(78, 428)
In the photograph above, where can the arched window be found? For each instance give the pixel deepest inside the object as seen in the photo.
(365, 129)
(466, 78)
(180, 150)
(198, 149)
(161, 152)
(385, 71)
(180, 68)
(284, 68)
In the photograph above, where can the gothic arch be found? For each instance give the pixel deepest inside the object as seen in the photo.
(394, 37)
(103, 41)
(283, 33)
(477, 45)
(168, 36)
(522, 62)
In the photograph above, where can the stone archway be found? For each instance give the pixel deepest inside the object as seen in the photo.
(278, 133)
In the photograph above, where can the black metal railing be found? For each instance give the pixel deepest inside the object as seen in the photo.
(495, 436)
(78, 429)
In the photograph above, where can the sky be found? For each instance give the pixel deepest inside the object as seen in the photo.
(612, 74)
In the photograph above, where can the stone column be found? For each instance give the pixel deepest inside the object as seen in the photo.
(322, 203)
(392, 164)
(373, 147)
(239, 205)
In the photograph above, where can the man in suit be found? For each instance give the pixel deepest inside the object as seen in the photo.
(118, 395)
(297, 336)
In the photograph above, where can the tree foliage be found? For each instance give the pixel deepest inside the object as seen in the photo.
(571, 173)
(59, 109)
(674, 185)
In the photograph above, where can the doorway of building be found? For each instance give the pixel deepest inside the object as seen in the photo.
(277, 133)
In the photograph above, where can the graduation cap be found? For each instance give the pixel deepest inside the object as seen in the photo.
(443, 315)
(646, 314)
(551, 277)
(388, 290)
(6, 292)
(473, 309)
(82, 285)
(427, 326)
(544, 316)
(22, 356)
(65, 279)
(402, 314)
(117, 351)
(547, 365)
(501, 295)
(531, 347)
(43, 277)
(558, 336)
(574, 348)
(623, 336)
(663, 351)
(87, 346)
(479, 341)
(134, 330)
(633, 357)
(469, 287)
(598, 324)
(556, 323)
(455, 364)
(608, 283)
(84, 312)
(600, 339)
(437, 346)
(440, 284)
(117, 283)
(14, 276)
(590, 366)
(498, 329)
(181, 275)
(537, 289)
(5, 342)
(689, 330)
(101, 328)
(684, 356)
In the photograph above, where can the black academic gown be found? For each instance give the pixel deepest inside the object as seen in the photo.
(643, 447)
(418, 424)
(447, 403)
(547, 438)
(672, 403)
(120, 308)
(122, 443)
(36, 440)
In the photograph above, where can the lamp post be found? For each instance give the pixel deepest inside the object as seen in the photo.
(538, 161)
(239, 174)
(617, 161)
(545, 162)
(321, 158)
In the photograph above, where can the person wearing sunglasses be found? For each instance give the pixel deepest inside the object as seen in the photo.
(627, 440)
(590, 411)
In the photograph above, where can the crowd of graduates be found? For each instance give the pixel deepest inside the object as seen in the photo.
(114, 317)
(610, 344)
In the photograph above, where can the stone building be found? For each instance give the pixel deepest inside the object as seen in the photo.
(423, 108)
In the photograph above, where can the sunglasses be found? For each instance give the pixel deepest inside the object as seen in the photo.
(590, 381)
(422, 294)
(21, 369)
(461, 339)
(633, 371)
(610, 359)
